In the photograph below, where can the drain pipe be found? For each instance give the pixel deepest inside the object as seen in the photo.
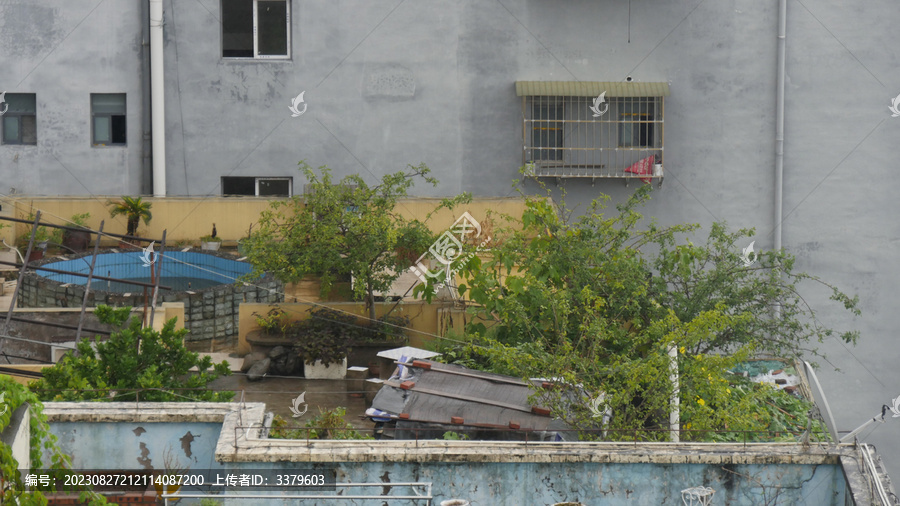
(157, 98)
(146, 125)
(779, 131)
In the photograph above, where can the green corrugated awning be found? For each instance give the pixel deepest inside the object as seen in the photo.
(590, 89)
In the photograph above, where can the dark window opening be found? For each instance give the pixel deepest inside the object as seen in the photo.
(255, 28)
(237, 28)
(257, 186)
(547, 131)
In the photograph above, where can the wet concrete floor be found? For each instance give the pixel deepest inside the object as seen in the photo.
(278, 394)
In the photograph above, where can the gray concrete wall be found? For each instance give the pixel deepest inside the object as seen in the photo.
(62, 52)
(359, 61)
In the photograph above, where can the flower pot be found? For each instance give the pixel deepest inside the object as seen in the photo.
(315, 370)
(76, 240)
(210, 246)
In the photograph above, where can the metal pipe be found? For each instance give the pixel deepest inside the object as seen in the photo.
(779, 120)
(779, 131)
(146, 124)
(157, 98)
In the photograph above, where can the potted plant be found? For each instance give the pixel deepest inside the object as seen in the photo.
(211, 242)
(134, 209)
(43, 238)
(323, 342)
(275, 329)
(77, 240)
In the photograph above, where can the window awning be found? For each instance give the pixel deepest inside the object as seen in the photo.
(590, 89)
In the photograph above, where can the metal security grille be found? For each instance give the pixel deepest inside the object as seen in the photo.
(592, 136)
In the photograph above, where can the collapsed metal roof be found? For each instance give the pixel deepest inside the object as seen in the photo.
(452, 397)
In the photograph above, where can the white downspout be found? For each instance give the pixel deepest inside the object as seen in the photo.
(157, 98)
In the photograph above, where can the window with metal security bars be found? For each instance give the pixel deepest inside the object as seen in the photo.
(592, 129)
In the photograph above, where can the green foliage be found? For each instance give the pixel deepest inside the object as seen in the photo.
(43, 234)
(275, 321)
(340, 230)
(455, 436)
(328, 424)
(134, 209)
(80, 220)
(326, 335)
(133, 358)
(578, 299)
(42, 443)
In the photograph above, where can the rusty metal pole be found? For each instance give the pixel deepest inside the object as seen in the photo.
(87, 285)
(155, 279)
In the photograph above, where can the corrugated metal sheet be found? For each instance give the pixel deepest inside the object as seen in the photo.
(446, 391)
(590, 89)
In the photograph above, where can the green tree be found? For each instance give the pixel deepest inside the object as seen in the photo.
(580, 299)
(43, 445)
(133, 358)
(343, 230)
(134, 209)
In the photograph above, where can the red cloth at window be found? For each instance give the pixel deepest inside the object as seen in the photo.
(642, 167)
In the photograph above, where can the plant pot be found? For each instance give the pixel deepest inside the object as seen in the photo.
(315, 370)
(76, 240)
(210, 246)
(36, 254)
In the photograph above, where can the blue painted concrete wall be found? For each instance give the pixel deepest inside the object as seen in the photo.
(137, 446)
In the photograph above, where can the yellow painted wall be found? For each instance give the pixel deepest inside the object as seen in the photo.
(186, 219)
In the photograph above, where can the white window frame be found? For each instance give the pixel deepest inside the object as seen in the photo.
(290, 181)
(255, 31)
(256, 181)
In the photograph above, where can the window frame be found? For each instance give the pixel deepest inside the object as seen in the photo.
(255, 33)
(109, 115)
(598, 140)
(256, 181)
(19, 116)
(553, 143)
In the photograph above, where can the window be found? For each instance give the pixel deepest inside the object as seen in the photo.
(108, 119)
(636, 121)
(20, 119)
(592, 129)
(258, 186)
(256, 29)
(547, 128)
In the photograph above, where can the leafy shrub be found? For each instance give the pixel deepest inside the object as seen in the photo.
(328, 424)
